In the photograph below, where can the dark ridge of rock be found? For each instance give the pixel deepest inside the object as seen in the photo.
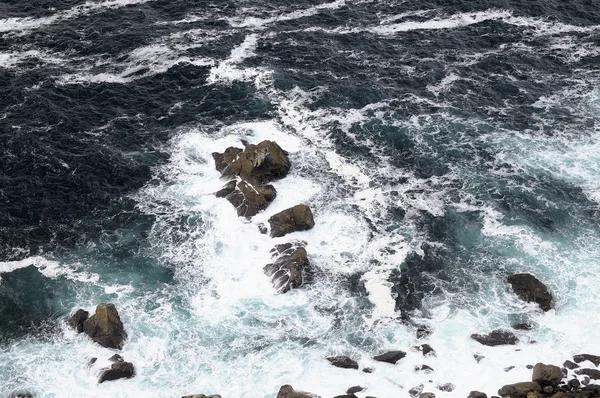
(297, 218)
(390, 357)
(354, 389)
(424, 368)
(342, 361)
(519, 390)
(76, 320)
(248, 199)
(508, 368)
(202, 396)
(91, 362)
(530, 289)
(448, 387)
(523, 326)
(287, 391)
(477, 394)
(570, 365)
(118, 370)
(593, 374)
(105, 327)
(286, 271)
(587, 357)
(224, 160)
(495, 338)
(546, 375)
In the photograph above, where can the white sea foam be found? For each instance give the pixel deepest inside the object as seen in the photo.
(228, 70)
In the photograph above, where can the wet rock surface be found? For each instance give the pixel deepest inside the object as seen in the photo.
(495, 338)
(286, 271)
(105, 327)
(528, 288)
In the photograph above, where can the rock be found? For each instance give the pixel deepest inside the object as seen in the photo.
(546, 375)
(346, 396)
(593, 374)
(570, 365)
(105, 327)
(427, 395)
(368, 370)
(424, 368)
(21, 394)
(201, 396)
(497, 337)
(529, 366)
(587, 357)
(477, 394)
(548, 389)
(448, 387)
(224, 160)
(528, 288)
(76, 320)
(519, 390)
(248, 199)
(263, 228)
(91, 362)
(297, 218)
(523, 326)
(354, 389)
(263, 162)
(342, 361)
(585, 381)
(574, 383)
(508, 368)
(118, 370)
(423, 331)
(390, 356)
(116, 358)
(286, 271)
(288, 392)
(416, 391)
(426, 349)
(478, 357)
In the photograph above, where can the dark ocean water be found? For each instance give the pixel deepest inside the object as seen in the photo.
(441, 144)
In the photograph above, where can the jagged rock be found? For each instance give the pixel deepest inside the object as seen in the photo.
(342, 361)
(416, 391)
(570, 365)
(519, 390)
(202, 396)
(593, 374)
(116, 358)
(530, 289)
(286, 271)
(448, 387)
(297, 218)
(288, 392)
(477, 394)
(426, 350)
(390, 356)
(478, 357)
(354, 389)
(508, 368)
(105, 327)
(424, 368)
(263, 162)
(587, 357)
(76, 320)
(118, 370)
(247, 198)
(224, 160)
(497, 337)
(546, 375)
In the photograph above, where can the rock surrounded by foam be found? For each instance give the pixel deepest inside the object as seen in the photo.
(248, 199)
(343, 361)
(286, 271)
(105, 327)
(76, 320)
(297, 218)
(390, 356)
(120, 369)
(288, 391)
(531, 289)
(496, 337)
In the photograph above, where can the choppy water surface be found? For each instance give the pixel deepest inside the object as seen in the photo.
(442, 145)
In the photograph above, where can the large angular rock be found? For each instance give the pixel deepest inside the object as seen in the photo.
(248, 199)
(286, 271)
(342, 361)
(118, 370)
(76, 320)
(497, 337)
(546, 375)
(287, 391)
(390, 356)
(297, 218)
(519, 390)
(530, 289)
(105, 327)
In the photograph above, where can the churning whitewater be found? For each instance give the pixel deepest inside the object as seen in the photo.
(442, 146)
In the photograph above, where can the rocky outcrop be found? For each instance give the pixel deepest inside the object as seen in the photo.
(546, 375)
(105, 327)
(287, 391)
(248, 199)
(495, 338)
(297, 218)
(595, 359)
(342, 361)
(76, 320)
(286, 271)
(528, 288)
(390, 356)
(519, 390)
(118, 370)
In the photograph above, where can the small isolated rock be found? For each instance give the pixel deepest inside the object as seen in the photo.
(587, 357)
(342, 361)
(593, 374)
(448, 387)
(390, 356)
(427, 395)
(105, 327)
(76, 320)
(297, 218)
(478, 357)
(477, 394)
(530, 289)
(116, 358)
(570, 365)
(21, 394)
(426, 350)
(529, 366)
(287, 391)
(118, 370)
(519, 390)
(495, 338)
(508, 368)
(424, 368)
(416, 391)
(368, 370)
(546, 375)
(286, 271)
(354, 389)
(523, 326)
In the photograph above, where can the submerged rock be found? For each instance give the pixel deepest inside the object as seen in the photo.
(76, 320)
(297, 218)
(287, 391)
(497, 337)
(587, 357)
(546, 375)
(286, 271)
(105, 327)
(118, 370)
(530, 289)
(343, 361)
(390, 356)
(519, 390)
